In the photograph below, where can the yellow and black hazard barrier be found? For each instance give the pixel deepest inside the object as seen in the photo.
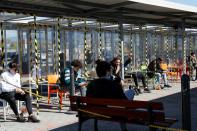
(34, 94)
(166, 128)
(153, 126)
(93, 113)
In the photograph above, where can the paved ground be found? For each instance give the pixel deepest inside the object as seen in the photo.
(53, 120)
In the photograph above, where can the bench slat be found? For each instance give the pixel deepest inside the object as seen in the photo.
(119, 102)
(138, 112)
(125, 114)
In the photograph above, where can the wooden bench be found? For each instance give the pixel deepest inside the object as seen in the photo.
(125, 111)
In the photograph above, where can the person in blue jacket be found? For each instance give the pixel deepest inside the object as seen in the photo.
(79, 82)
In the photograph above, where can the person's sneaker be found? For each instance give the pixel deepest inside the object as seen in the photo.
(147, 90)
(20, 119)
(33, 118)
(167, 86)
(140, 90)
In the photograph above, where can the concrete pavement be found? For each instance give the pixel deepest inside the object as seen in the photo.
(53, 120)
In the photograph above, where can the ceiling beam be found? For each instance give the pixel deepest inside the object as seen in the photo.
(50, 11)
(75, 8)
(83, 3)
(34, 8)
(111, 7)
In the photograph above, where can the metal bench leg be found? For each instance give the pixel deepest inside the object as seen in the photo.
(95, 124)
(123, 126)
(152, 129)
(80, 124)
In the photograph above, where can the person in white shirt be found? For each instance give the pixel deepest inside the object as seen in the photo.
(11, 91)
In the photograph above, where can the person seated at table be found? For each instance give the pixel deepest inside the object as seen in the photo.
(138, 75)
(154, 68)
(79, 82)
(11, 91)
(116, 66)
(163, 71)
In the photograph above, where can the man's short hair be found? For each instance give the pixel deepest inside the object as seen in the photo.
(76, 63)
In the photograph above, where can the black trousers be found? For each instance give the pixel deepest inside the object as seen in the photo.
(11, 98)
(139, 76)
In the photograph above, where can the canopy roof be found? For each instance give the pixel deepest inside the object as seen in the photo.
(126, 11)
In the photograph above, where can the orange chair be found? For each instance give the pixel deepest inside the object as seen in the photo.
(53, 87)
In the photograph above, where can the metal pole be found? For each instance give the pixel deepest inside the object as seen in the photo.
(47, 54)
(121, 37)
(100, 55)
(72, 92)
(36, 60)
(131, 50)
(70, 40)
(186, 107)
(183, 45)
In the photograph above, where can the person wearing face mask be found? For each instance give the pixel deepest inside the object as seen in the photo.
(11, 91)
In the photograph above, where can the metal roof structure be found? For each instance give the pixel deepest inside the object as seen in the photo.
(125, 11)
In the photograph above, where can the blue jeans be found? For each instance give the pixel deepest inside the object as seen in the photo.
(164, 76)
(158, 78)
(83, 91)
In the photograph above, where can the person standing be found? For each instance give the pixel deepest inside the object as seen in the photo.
(193, 65)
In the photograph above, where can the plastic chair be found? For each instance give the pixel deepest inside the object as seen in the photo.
(53, 87)
(4, 106)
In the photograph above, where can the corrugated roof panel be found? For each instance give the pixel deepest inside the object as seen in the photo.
(108, 2)
(51, 3)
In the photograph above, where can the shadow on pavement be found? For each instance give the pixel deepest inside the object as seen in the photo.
(172, 105)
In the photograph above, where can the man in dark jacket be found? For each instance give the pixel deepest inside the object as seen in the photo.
(154, 69)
